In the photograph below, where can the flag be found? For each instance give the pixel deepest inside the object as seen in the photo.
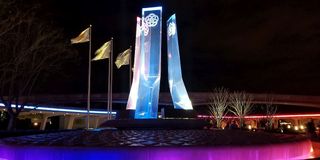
(123, 58)
(84, 36)
(103, 52)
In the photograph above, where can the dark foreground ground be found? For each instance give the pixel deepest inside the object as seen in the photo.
(118, 138)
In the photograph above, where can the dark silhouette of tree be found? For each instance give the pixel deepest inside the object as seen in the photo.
(29, 47)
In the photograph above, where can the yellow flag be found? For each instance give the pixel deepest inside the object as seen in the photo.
(84, 36)
(103, 52)
(123, 58)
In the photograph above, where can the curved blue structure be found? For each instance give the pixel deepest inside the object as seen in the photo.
(178, 90)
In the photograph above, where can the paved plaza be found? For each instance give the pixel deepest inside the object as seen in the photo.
(119, 138)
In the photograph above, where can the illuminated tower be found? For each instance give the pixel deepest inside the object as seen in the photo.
(178, 91)
(144, 93)
(133, 96)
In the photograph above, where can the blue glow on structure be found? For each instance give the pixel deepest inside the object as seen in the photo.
(178, 90)
(151, 9)
(53, 109)
(150, 64)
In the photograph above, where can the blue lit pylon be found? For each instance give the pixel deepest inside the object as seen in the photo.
(150, 68)
(144, 93)
(178, 90)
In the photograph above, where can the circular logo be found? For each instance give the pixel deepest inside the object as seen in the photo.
(151, 20)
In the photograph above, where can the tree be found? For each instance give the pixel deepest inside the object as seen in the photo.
(270, 110)
(29, 48)
(241, 105)
(218, 104)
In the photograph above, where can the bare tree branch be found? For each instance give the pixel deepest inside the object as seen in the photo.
(241, 105)
(29, 48)
(218, 104)
(270, 111)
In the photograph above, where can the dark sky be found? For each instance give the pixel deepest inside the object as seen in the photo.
(264, 46)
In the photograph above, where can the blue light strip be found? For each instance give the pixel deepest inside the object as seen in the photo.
(60, 109)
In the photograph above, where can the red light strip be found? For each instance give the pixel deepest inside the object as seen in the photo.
(260, 117)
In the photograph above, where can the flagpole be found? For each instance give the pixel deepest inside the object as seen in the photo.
(89, 81)
(111, 79)
(130, 68)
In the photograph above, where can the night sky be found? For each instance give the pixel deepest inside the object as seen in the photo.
(265, 46)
